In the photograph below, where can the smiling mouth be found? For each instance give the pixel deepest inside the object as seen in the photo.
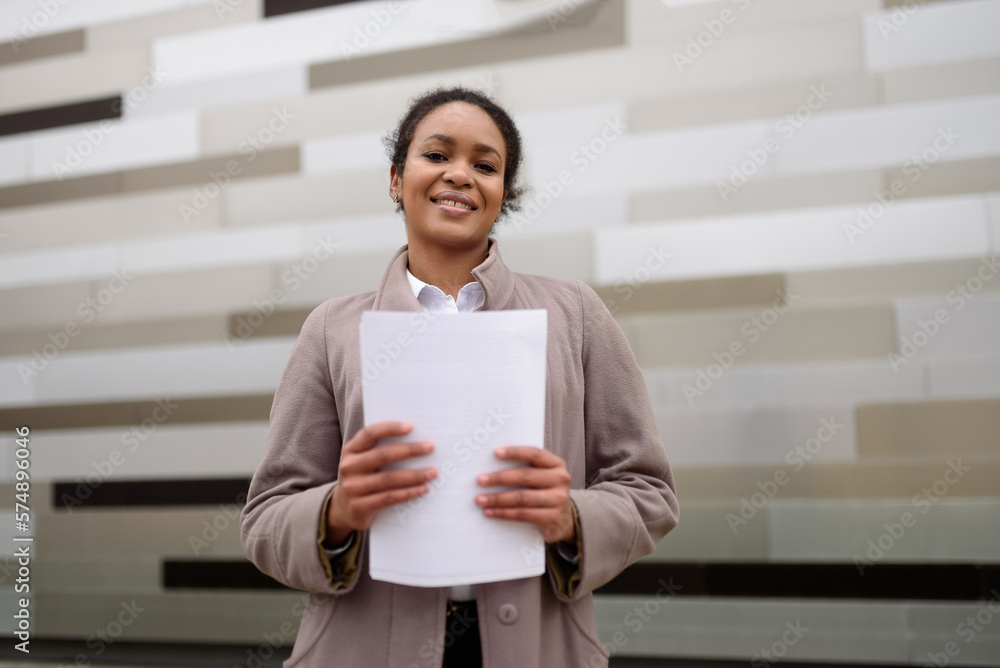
(451, 202)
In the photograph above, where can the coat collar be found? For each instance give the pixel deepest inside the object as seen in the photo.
(394, 292)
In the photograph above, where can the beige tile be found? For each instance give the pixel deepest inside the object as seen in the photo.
(946, 178)
(235, 166)
(52, 81)
(340, 276)
(59, 574)
(183, 295)
(799, 335)
(125, 413)
(111, 218)
(704, 534)
(45, 307)
(929, 428)
(756, 195)
(142, 30)
(978, 77)
(290, 198)
(772, 101)
(563, 256)
(281, 323)
(97, 337)
(43, 46)
(605, 29)
(46, 192)
(882, 284)
(724, 292)
(183, 616)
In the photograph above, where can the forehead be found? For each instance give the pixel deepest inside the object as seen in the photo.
(464, 122)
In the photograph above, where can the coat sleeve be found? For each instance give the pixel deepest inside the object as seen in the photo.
(282, 525)
(629, 502)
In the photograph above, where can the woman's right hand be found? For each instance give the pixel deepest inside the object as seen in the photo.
(363, 490)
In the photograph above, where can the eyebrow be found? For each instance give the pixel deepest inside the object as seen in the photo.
(482, 148)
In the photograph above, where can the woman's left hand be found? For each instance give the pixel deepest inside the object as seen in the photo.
(545, 503)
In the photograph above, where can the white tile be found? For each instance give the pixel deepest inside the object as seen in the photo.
(331, 33)
(663, 160)
(168, 451)
(113, 145)
(221, 92)
(26, 18)
(13, 161)
(17, 385)
(956, 326)
(359, 234)
(209, 250)
(946, 529)
(925, 34)
(42, 267)
(561, 131)
(571, 211)
(203, 370)
(952, 379)
(912, 230)
(894, 136)
(713, 437)
(344, 153)
(790, 385)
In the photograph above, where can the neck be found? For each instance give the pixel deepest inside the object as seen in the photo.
(446, 268)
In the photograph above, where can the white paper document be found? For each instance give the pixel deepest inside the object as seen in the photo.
(468, 382)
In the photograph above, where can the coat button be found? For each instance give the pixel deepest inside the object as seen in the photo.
(508, 613)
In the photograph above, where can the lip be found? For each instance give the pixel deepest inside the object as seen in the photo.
(454, 196)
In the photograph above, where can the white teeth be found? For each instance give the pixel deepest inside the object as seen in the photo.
(451, 202)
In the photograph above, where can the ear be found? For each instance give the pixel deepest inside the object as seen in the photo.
(395, 181)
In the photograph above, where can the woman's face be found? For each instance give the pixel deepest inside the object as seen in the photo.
(452, 183)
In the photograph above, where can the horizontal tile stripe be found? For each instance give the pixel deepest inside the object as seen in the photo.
(66, 114)
(169, 493)
(929, 427)
(23, 48)
(279, 7)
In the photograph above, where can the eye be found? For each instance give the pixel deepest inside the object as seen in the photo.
(434, 155)
(487, 167)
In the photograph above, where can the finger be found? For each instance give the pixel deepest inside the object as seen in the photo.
(368, 436)
(540, 517)
(526, 476)
(522, 498)
(372, 503)
(375, 483)
(376, 458)
(528, 453)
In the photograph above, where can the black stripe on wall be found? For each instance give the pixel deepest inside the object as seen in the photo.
(67, 114)
(952, 582)
(959, 582)
(99, 493)
(278, 7)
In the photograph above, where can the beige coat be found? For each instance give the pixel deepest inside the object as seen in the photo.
(597, 418)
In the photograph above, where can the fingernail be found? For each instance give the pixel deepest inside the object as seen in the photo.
(483, 479)
(481, 500)
(501, 452)
(431, 474)
(405, 426)
(428, 446)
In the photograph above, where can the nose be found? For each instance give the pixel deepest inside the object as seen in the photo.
(458, 174)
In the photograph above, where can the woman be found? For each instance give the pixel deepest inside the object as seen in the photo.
(601, 491)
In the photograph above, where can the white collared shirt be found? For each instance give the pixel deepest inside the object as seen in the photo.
(434, 300)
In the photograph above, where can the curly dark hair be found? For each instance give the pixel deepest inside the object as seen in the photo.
(397, 142)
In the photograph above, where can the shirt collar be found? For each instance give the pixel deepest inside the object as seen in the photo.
(396, 293)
